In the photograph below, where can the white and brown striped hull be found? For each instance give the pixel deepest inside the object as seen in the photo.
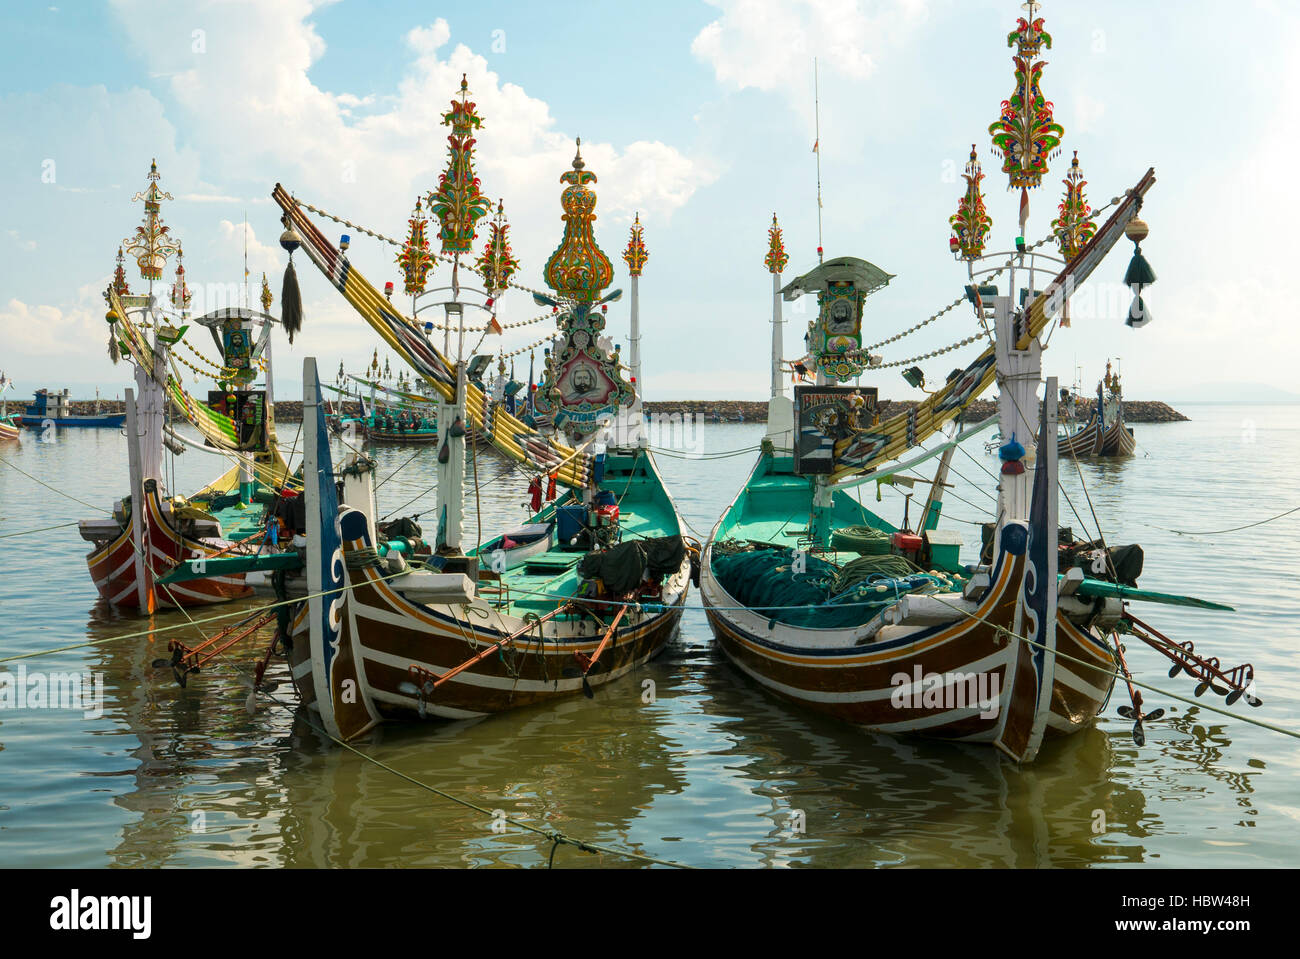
(835, 673)
(391, 648)
(1118, 440)
(113, 567)
(1083, 443)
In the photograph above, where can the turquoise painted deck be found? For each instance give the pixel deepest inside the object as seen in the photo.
(776, 505)
(645, 511)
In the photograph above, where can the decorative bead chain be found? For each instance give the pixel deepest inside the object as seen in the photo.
(961, 299)
(486, 327)
(926, 356)
(396, 243)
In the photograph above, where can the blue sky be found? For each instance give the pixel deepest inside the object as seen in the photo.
(696, 114)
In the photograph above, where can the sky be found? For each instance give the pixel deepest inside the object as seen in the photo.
(696, 115)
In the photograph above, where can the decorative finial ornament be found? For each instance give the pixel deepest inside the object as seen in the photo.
(971, 223)
(776, 257)
(578, 269)
(497, 264)
(636, 254)
(265, 296)
(415, 259)
(1075, 226)
(152, 243)
(458, 203)
(180, 292)
(120, 286)
(1026, 135)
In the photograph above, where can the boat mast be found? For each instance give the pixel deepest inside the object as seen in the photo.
(459, 205)
(151, 245)
(817, 142)
(635, 256)
(780, 409)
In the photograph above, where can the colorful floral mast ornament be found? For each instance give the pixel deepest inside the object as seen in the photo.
(120, 286)
(776, 257)
(1026, 136)
(415, 259)
(458, 203)
(1075, 226)
(636, 253)
(497, 265)
(578, 269)
(152, 242)
(971, 223)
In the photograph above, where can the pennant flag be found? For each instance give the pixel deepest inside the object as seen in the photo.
(815, 142)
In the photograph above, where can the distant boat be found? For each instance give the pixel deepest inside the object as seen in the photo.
(52, 407)
(8, 421)
(1105, 433)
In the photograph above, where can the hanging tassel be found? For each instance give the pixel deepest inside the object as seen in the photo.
(113, 352)
(1138, 314)
(290, 297)
(291, 302)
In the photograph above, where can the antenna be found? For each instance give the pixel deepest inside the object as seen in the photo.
(245, 258)
(817, 132)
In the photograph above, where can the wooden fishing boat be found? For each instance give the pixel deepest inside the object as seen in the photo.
(831, 606)
(213, 546)
(1105, 433)
(9, 431)
(600, 574)
(429, 644)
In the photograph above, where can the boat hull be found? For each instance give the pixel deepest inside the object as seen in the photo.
(113, 569)
(105, 420)
(391, 649)
(964, 680)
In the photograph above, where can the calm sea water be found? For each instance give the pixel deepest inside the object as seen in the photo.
(713, 772)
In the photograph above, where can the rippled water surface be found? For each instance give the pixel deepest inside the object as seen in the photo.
(713, 771)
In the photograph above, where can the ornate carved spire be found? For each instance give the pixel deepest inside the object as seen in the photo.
(497, 265)
(776, 257)
(458, 203)
(152, 242)
(180, 292)
(636, 254)
(971, 223)
(415, 258)
(578, 269)
(1026, 135)
(1075, 226)
(120, 286)
(266, 298)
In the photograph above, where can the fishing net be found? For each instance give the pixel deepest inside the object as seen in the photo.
(805, 590)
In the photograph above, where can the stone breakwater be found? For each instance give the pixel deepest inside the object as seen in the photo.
(721, 411)
(733, 411)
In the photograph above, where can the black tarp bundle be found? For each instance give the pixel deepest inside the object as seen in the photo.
(621, 568)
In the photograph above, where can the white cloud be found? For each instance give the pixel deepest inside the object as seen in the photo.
(770, 44)
(45, 329)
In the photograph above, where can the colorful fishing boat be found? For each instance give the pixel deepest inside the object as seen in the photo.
(9, 431)
(831, 606)
(204, 548)
(1105, 432)
(596, 582)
